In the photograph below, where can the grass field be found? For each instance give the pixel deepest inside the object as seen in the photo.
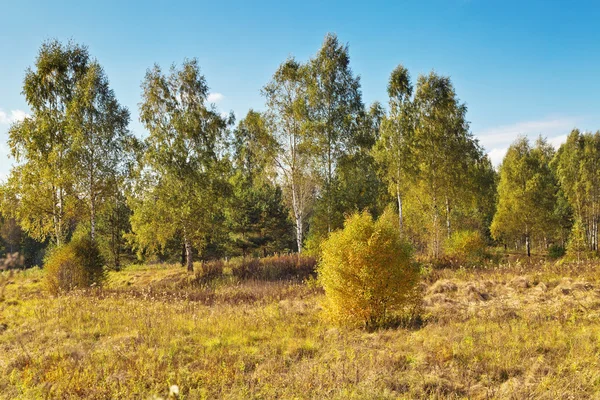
(514, 331)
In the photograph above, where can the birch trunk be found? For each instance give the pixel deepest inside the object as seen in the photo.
(297, 216)
(188, 254)
(448, 217)
(400, 221)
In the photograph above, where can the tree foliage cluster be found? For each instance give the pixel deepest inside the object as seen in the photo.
(200, 186)
(550, 197)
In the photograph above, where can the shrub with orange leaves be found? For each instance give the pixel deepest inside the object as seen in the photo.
(368, 273)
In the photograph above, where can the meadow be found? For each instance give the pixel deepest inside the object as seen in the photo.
(515, 330)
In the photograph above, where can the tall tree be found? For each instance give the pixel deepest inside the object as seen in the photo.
(444, 150)
(97, 124)
(258, 218)
(356, 185)
(334, 104)
(182, 185)
(40, 190)
(286, 102)
(392, 150)
(526, 193)
(577, 167)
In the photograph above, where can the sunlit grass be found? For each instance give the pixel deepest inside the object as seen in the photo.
(514, 331)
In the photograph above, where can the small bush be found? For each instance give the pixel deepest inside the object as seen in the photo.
(291, 266)
(368, 273)
(210, 270)
(245, 268)
(555, 252)
(466, 248)
(77, 264)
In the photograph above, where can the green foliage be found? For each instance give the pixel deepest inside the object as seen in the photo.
(526, 194)
(77, 264)
(182, 187)
(577, 246)
(431, 162)
(40, 190)
(367, 272)
(97, 124)
(258, 219)
(287, 115)
(356, 185)
(577, 169)
(555, 252)
(466, 247)
(334, 104)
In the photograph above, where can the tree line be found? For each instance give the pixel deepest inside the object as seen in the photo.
(199, 185)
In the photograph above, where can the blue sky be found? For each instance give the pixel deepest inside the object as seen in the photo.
(522, 67)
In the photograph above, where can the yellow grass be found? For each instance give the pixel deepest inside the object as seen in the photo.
(515, 331)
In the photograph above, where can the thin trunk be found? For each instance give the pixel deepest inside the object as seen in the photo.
(93, 219)
(183, 253)
(448, 216)
(399, 208)
(188, 254)
(435, 222)
(329, 185)
(527, 244)
(299, 233)
(59, 237)
(55, 216)
(595, 233)
(297, 209)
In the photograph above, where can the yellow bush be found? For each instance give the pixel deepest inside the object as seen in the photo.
(77, 264)
(466, 247)
(368, 273)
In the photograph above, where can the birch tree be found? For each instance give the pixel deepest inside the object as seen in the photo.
(444, 150)
(577, 167)
(392, 150)
(97, 124)
(40, 192)
(526, 194)
(286, 102)
(182, 187)
(334, 104)
(258, 219)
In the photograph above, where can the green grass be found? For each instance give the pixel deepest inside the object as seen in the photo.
(514, 331)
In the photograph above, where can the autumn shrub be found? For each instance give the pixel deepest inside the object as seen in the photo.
(368, 273)
(77, 264)
(211, 270)
(279, 267)
(291, 266)
(466, 247)
(245, 267)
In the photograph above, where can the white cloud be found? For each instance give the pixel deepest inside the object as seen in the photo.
(506, 134)
(214, 97)
(496, 140)
(557, 141)
(497, 155)
(13, 116)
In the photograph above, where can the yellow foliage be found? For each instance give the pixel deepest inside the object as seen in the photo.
(367, 272)
(77, 264)
(466, 247)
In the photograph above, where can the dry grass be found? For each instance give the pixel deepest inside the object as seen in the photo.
(514, 331)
